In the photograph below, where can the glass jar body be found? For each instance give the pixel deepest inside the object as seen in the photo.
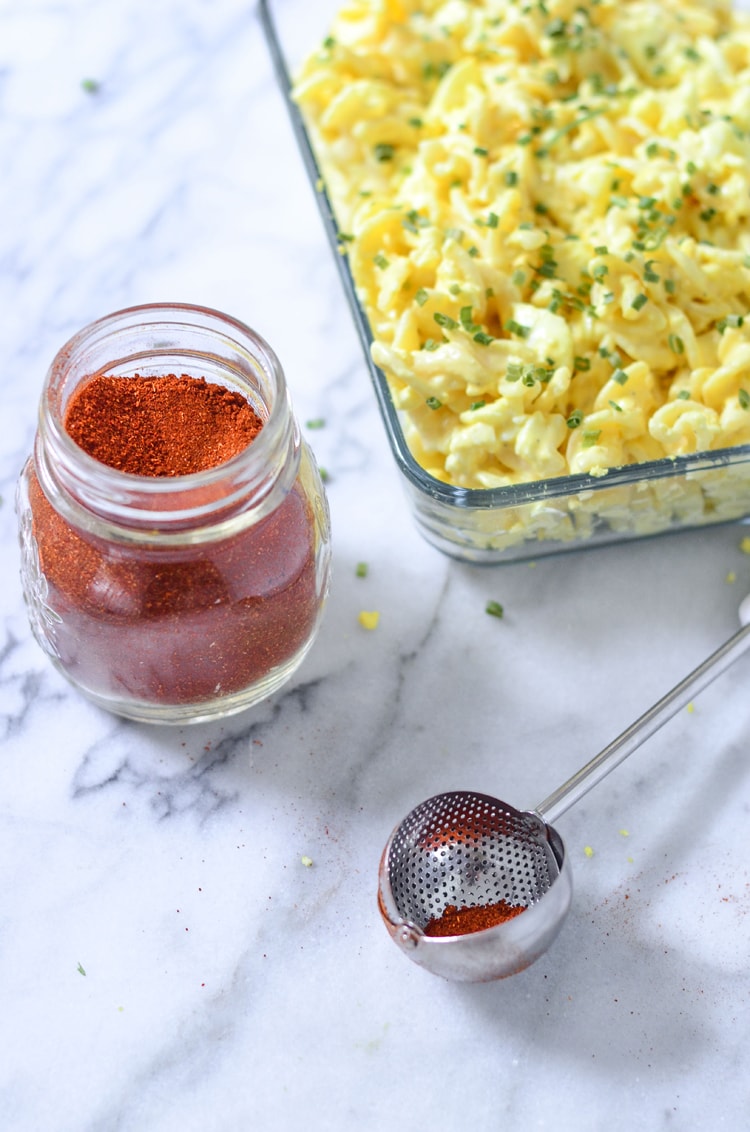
(174, 599)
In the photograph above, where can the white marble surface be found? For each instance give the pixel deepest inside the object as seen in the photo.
(166, 960)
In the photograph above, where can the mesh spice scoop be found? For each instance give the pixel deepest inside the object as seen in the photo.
(463, 850)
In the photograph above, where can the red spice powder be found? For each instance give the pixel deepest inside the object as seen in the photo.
(164, 625)
(463, 921)
(160, 426)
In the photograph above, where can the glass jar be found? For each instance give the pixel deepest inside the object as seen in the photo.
(174, 599)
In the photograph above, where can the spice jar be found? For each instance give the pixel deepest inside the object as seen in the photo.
(174, 566)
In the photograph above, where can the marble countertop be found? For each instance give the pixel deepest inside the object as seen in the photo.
(167, 960)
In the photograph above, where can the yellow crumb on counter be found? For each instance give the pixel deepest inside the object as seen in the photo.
(369, 619)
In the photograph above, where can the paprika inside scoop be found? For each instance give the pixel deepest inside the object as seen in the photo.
(463, 849)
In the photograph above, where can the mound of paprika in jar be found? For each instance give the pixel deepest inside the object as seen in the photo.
(174, 528)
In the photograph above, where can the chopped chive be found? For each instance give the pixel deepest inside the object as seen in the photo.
(590, 437)
(433, 403)
(616, 407)
(483, 338)
(639, 302)
(511, 178)
(601, 249)
(316, 422)
(744, 398)
(575, 419)
(581, 364)
(620, 376)
(445, 320)
(384, 151)
(379, 260)
(494, 608)
(676, 345)
(516, 328)
(492, 220)
(477, 405)
(480, 151)
(361, 570)
(421, 296)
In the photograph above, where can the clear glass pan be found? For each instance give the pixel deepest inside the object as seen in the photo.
(521, 521)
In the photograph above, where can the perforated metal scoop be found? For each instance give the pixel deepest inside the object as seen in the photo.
(467, 850)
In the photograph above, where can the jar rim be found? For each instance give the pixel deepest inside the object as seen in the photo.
(140, 500)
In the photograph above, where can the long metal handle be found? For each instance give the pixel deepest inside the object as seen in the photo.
(618, 750)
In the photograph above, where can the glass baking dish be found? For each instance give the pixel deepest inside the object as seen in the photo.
(520, 521)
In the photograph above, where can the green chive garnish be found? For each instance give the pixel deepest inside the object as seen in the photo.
(384, 152)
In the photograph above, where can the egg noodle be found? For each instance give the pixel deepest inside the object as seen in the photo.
(546, 208)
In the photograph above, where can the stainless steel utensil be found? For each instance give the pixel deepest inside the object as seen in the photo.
(467, 850)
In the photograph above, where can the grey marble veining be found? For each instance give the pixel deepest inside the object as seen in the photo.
(167, 960)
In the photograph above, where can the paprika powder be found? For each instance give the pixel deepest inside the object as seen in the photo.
(463, 921)
(174, 529)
